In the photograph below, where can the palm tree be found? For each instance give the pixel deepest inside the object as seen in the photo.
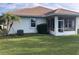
(9, 20)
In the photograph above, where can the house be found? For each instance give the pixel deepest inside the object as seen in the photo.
(60, 21)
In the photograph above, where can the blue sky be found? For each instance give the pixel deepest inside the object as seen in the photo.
(11, 6)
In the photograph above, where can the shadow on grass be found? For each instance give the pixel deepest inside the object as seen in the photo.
(20, 36)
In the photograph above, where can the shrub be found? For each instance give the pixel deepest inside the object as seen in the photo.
(20, 32)
(42, 28)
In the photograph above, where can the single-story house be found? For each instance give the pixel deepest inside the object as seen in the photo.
(60, 21)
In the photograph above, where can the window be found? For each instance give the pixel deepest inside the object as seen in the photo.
(60, 26)
(33, 23)
(69, 25)
(51, 24)
(66, 24)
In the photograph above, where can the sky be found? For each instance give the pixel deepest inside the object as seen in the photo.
(4, 7)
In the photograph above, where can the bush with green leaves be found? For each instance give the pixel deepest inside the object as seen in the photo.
(42, 28)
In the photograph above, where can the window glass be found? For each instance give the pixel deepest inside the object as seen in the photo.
(33, 23)
(66, 24)
(52, 24)
(60, 30)
(60, 26)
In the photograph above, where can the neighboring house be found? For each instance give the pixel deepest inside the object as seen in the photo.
(60, 21)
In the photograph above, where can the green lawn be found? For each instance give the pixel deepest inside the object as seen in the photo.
(39, 44)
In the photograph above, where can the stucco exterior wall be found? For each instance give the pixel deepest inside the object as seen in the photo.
(25, 24)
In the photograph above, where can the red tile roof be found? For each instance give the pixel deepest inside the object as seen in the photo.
(35, 11)
(40, 11)
(62, 12)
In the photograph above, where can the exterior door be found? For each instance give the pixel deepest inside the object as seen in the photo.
(61, 25)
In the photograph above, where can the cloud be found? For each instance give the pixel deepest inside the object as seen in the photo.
(37, 4)
(53, 5)
(8, 6)
(71, 6)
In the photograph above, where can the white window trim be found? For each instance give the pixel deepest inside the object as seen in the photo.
(64, 25)
(33, 22)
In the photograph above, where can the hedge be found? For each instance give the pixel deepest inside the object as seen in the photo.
(42, 28)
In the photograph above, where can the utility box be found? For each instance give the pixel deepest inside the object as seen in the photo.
(20, 32)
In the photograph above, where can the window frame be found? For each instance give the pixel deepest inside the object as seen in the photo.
(61, 29)
(68, 24)
(33, 22)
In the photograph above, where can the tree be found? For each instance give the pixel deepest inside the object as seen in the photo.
(8, 20)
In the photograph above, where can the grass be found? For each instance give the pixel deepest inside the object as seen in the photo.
(39, 44)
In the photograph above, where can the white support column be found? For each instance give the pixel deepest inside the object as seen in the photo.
(77, 20)
(56, 25)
